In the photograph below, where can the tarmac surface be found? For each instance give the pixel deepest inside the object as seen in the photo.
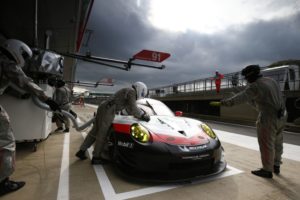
(53, 172)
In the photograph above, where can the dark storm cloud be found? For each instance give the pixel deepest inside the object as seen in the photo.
(118, 28)
(121, 29)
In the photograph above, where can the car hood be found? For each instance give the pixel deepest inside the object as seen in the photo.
(176, 130)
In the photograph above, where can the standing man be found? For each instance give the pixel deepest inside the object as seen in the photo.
(218, 78)
(13, 55)
(62, 96)
(122, 99)
(235, 80)
(264, 93)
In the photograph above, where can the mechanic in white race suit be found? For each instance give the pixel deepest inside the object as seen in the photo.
(62, 96)
(13, 55)
(122, 99)
(264, 93)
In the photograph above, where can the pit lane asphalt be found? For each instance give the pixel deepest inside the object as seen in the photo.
(53, 172)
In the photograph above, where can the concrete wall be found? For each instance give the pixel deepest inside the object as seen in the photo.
(243, 112)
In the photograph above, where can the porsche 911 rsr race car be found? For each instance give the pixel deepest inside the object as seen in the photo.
(168, 148)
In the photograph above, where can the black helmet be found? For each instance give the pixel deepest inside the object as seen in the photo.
(60, 83)
(251, 72)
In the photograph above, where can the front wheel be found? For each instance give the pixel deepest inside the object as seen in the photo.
(112, 145)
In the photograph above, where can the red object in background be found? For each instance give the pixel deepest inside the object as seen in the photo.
(218, 79)
(84, 18)
(178, 113)
(149, 55)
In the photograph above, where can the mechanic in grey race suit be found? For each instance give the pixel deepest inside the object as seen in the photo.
(62, 96)
(264, 93)
(13, 55)
(122, 99)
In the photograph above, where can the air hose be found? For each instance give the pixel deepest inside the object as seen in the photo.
(78, 127)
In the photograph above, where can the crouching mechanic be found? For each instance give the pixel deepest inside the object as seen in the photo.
(122, 99)
(264, 93)
(13, 55)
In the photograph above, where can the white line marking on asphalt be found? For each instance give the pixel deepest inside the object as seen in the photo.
(244, 126)
(290, 151)
(63, 186)
(106, 186)
(109, 192)
(151, 190)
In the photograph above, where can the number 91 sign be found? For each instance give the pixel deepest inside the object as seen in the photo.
(154, 56)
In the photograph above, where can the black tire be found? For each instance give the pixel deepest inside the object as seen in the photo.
(112, 148)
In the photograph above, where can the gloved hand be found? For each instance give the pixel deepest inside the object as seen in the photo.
(53, 105)
(25, 96)
(145, 117)
(215, 103)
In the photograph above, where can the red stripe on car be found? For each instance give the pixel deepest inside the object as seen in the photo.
(123, 128)
(195, 140)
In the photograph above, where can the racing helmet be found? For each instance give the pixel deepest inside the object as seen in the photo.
(141, 89)
(17, 50)
(60, 83)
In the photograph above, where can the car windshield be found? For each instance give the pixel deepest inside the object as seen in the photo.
(154, 107)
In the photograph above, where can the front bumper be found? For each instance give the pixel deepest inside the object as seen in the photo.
(164, 163)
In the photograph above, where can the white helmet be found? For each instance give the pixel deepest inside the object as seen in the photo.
(18, 50)
(141, 90)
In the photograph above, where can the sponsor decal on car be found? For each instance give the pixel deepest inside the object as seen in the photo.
(125, 144)
(199, 147)
(193, 148)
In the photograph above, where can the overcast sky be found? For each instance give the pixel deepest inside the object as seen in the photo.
(202, 36)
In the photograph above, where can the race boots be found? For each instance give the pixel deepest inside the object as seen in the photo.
(81, 154)
(7, 186)
(262, 173)
(276, 169)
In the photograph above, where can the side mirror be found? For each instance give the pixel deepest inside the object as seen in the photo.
(178, 113)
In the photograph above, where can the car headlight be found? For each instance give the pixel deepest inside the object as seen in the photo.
(140, 133)
(208, 131)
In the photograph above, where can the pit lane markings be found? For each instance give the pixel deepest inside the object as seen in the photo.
(63, 185)
(290, 151)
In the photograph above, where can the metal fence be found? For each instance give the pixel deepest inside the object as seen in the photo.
(287, 77)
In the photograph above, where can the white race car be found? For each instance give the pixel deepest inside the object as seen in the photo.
(168, 148)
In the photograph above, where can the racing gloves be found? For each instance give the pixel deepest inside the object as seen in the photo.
(53, 105)
(145, 117)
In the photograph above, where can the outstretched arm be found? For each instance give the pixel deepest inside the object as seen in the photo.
(244, 96)
(15, 74)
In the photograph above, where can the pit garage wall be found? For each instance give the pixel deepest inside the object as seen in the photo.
(197, 105)
(243, 112)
